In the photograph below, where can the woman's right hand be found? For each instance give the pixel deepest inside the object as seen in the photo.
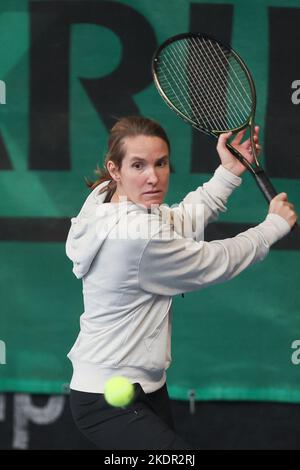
(281, 206)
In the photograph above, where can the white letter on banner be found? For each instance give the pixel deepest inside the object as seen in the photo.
(25, 412)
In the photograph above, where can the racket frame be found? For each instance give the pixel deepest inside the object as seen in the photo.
(255, 169)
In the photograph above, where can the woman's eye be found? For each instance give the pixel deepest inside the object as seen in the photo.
(138, 166)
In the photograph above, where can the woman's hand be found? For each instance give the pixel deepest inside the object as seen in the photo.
(281, 206)
(229, 161)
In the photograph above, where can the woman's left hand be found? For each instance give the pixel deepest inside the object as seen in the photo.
(229, 161)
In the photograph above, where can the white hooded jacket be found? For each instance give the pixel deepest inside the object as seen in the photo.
(133, 261)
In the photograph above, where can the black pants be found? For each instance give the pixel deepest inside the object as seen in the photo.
(145, 424)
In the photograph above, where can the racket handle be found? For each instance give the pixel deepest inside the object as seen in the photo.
(267, 188)
(265, 184)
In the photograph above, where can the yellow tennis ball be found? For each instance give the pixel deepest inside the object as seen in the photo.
(118, 391)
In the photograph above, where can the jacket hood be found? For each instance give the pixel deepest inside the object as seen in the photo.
(91, 227)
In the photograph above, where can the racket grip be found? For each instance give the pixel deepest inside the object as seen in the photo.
(267, 188)
(265, 184)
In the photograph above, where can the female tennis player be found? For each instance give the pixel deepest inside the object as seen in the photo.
(133, 256)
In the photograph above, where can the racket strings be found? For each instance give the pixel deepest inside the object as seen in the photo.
(220, 68)
(215, 65)
(185, 88)
(192, 79)
(219, 63)
(183, 93)
(192, 104)
(231, 83)
(213, 86)
(207, 113)
(205, 83)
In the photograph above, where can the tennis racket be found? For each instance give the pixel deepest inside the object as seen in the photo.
(208, 85)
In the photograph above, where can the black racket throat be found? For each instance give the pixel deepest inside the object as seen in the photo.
(259, 175)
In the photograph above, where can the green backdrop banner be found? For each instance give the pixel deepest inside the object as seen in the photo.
(68, 68)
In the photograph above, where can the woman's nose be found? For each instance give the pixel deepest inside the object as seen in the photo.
(152, 176)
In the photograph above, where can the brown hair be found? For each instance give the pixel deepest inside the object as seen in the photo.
(130, 126)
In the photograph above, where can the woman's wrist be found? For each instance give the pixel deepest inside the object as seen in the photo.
(232, 168)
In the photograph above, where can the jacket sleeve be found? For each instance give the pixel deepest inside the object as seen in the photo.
(171, 265)
(202, 206)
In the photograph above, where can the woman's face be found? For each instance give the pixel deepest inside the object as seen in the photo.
(144, 175)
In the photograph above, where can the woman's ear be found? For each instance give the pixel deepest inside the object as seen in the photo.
(113, 171)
